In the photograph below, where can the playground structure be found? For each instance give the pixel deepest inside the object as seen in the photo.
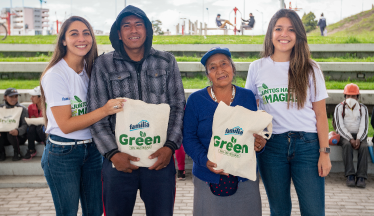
(193, 27)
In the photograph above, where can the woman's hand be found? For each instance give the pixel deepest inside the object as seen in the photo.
(260, 142)
(113, 106)
(212, 165)
(324, 164)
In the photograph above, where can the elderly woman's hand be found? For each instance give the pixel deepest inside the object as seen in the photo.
(212, 165)
(260, 142)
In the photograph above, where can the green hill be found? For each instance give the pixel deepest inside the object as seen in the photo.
(358, 25)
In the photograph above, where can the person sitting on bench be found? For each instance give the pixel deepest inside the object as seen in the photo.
(251, 23)
(222, 25)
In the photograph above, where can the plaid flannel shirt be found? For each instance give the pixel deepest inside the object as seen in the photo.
(159, 82)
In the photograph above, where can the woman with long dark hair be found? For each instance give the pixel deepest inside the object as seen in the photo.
(71, 161)
(290, 86)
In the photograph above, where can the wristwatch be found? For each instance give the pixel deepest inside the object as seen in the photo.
(326, 150)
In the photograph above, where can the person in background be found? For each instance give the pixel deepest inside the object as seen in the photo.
(351, 121)
(219, 22)
(35, 132)
(181, 157)
(322, 24)
(18, 136)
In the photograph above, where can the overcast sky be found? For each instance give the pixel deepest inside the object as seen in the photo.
(101, 13)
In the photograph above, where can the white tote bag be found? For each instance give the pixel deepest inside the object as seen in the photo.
(232, 144)
(35, 121)
(141, 129)
(9, 118)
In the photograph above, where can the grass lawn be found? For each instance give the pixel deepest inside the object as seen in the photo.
(46, 58)
(192, 83)
(209, 39)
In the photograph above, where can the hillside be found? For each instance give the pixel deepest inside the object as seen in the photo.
(360, 24)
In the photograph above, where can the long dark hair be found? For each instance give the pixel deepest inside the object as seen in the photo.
(301, 64)
(61, 50)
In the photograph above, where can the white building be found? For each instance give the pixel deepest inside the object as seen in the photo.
(28, 21)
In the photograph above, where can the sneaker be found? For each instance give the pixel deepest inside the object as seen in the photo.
(181, 175)
(17, 156)
(361, 182)
(2, 156)
(351, 181)
(29, 155)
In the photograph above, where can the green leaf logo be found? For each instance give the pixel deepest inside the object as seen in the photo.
(233, 140)
(78, 99)
(264, 86)
(143, 134)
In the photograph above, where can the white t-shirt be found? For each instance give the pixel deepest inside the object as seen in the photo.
(268, 80)
(63, 86)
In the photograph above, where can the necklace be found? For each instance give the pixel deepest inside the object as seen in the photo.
(214, 96)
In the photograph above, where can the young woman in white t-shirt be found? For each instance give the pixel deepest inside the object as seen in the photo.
(290, 86)
(71, 161)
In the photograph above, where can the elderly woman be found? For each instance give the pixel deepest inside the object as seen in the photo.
(216, 192)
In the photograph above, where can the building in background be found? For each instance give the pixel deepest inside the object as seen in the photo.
(27, 21)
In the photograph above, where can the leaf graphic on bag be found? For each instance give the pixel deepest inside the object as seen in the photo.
(233, 140)
(141, 134)
(144, 134)
(78, 99)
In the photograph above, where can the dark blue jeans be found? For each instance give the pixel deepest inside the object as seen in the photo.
(293, 155)
(73, 172)
(157, 190)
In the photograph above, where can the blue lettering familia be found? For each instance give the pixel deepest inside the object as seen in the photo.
(141, 125)
(65, 99)
(235, 131)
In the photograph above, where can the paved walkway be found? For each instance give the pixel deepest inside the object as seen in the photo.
(340, 200)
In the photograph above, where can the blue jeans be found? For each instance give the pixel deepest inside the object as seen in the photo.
(293, 155)
(73, 173)
(156, 187)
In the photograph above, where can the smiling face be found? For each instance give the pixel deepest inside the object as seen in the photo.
(220, 70)
(284, 36)
(78, 39)
(132, 33)
(12, 100)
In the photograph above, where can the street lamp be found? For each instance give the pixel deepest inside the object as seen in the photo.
(207, 9)
(262, 20)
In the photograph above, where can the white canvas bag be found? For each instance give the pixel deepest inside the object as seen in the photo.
(35, 121)
(141, 129)
(232, 144)
(9, 118)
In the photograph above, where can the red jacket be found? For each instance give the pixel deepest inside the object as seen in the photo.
(33, 111)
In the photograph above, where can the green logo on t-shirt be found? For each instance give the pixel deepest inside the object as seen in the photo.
(78, 106)
(272, 95)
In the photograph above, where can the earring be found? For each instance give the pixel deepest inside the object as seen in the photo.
(64, 44)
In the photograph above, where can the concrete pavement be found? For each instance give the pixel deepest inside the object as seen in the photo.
(340, 200)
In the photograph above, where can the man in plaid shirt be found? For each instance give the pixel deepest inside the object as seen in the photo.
(135, 70)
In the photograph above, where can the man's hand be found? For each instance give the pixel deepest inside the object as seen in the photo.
(163, 158)
(212, 165)
(122, 162)
(260, 142)
(353, 143)
(357, 144)
(13, 132)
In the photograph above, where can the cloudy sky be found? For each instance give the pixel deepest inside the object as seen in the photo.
(101, 13)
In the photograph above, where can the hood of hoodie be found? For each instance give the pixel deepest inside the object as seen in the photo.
(117, 44)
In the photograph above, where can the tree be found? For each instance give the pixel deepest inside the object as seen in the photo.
(156, 24)
(309, 21)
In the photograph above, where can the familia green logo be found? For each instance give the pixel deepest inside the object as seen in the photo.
(142, 142)
(78, 106)
(232, 149)
(275, 94)
(7, 120)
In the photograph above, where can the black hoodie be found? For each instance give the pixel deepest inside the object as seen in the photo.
(117, 44)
